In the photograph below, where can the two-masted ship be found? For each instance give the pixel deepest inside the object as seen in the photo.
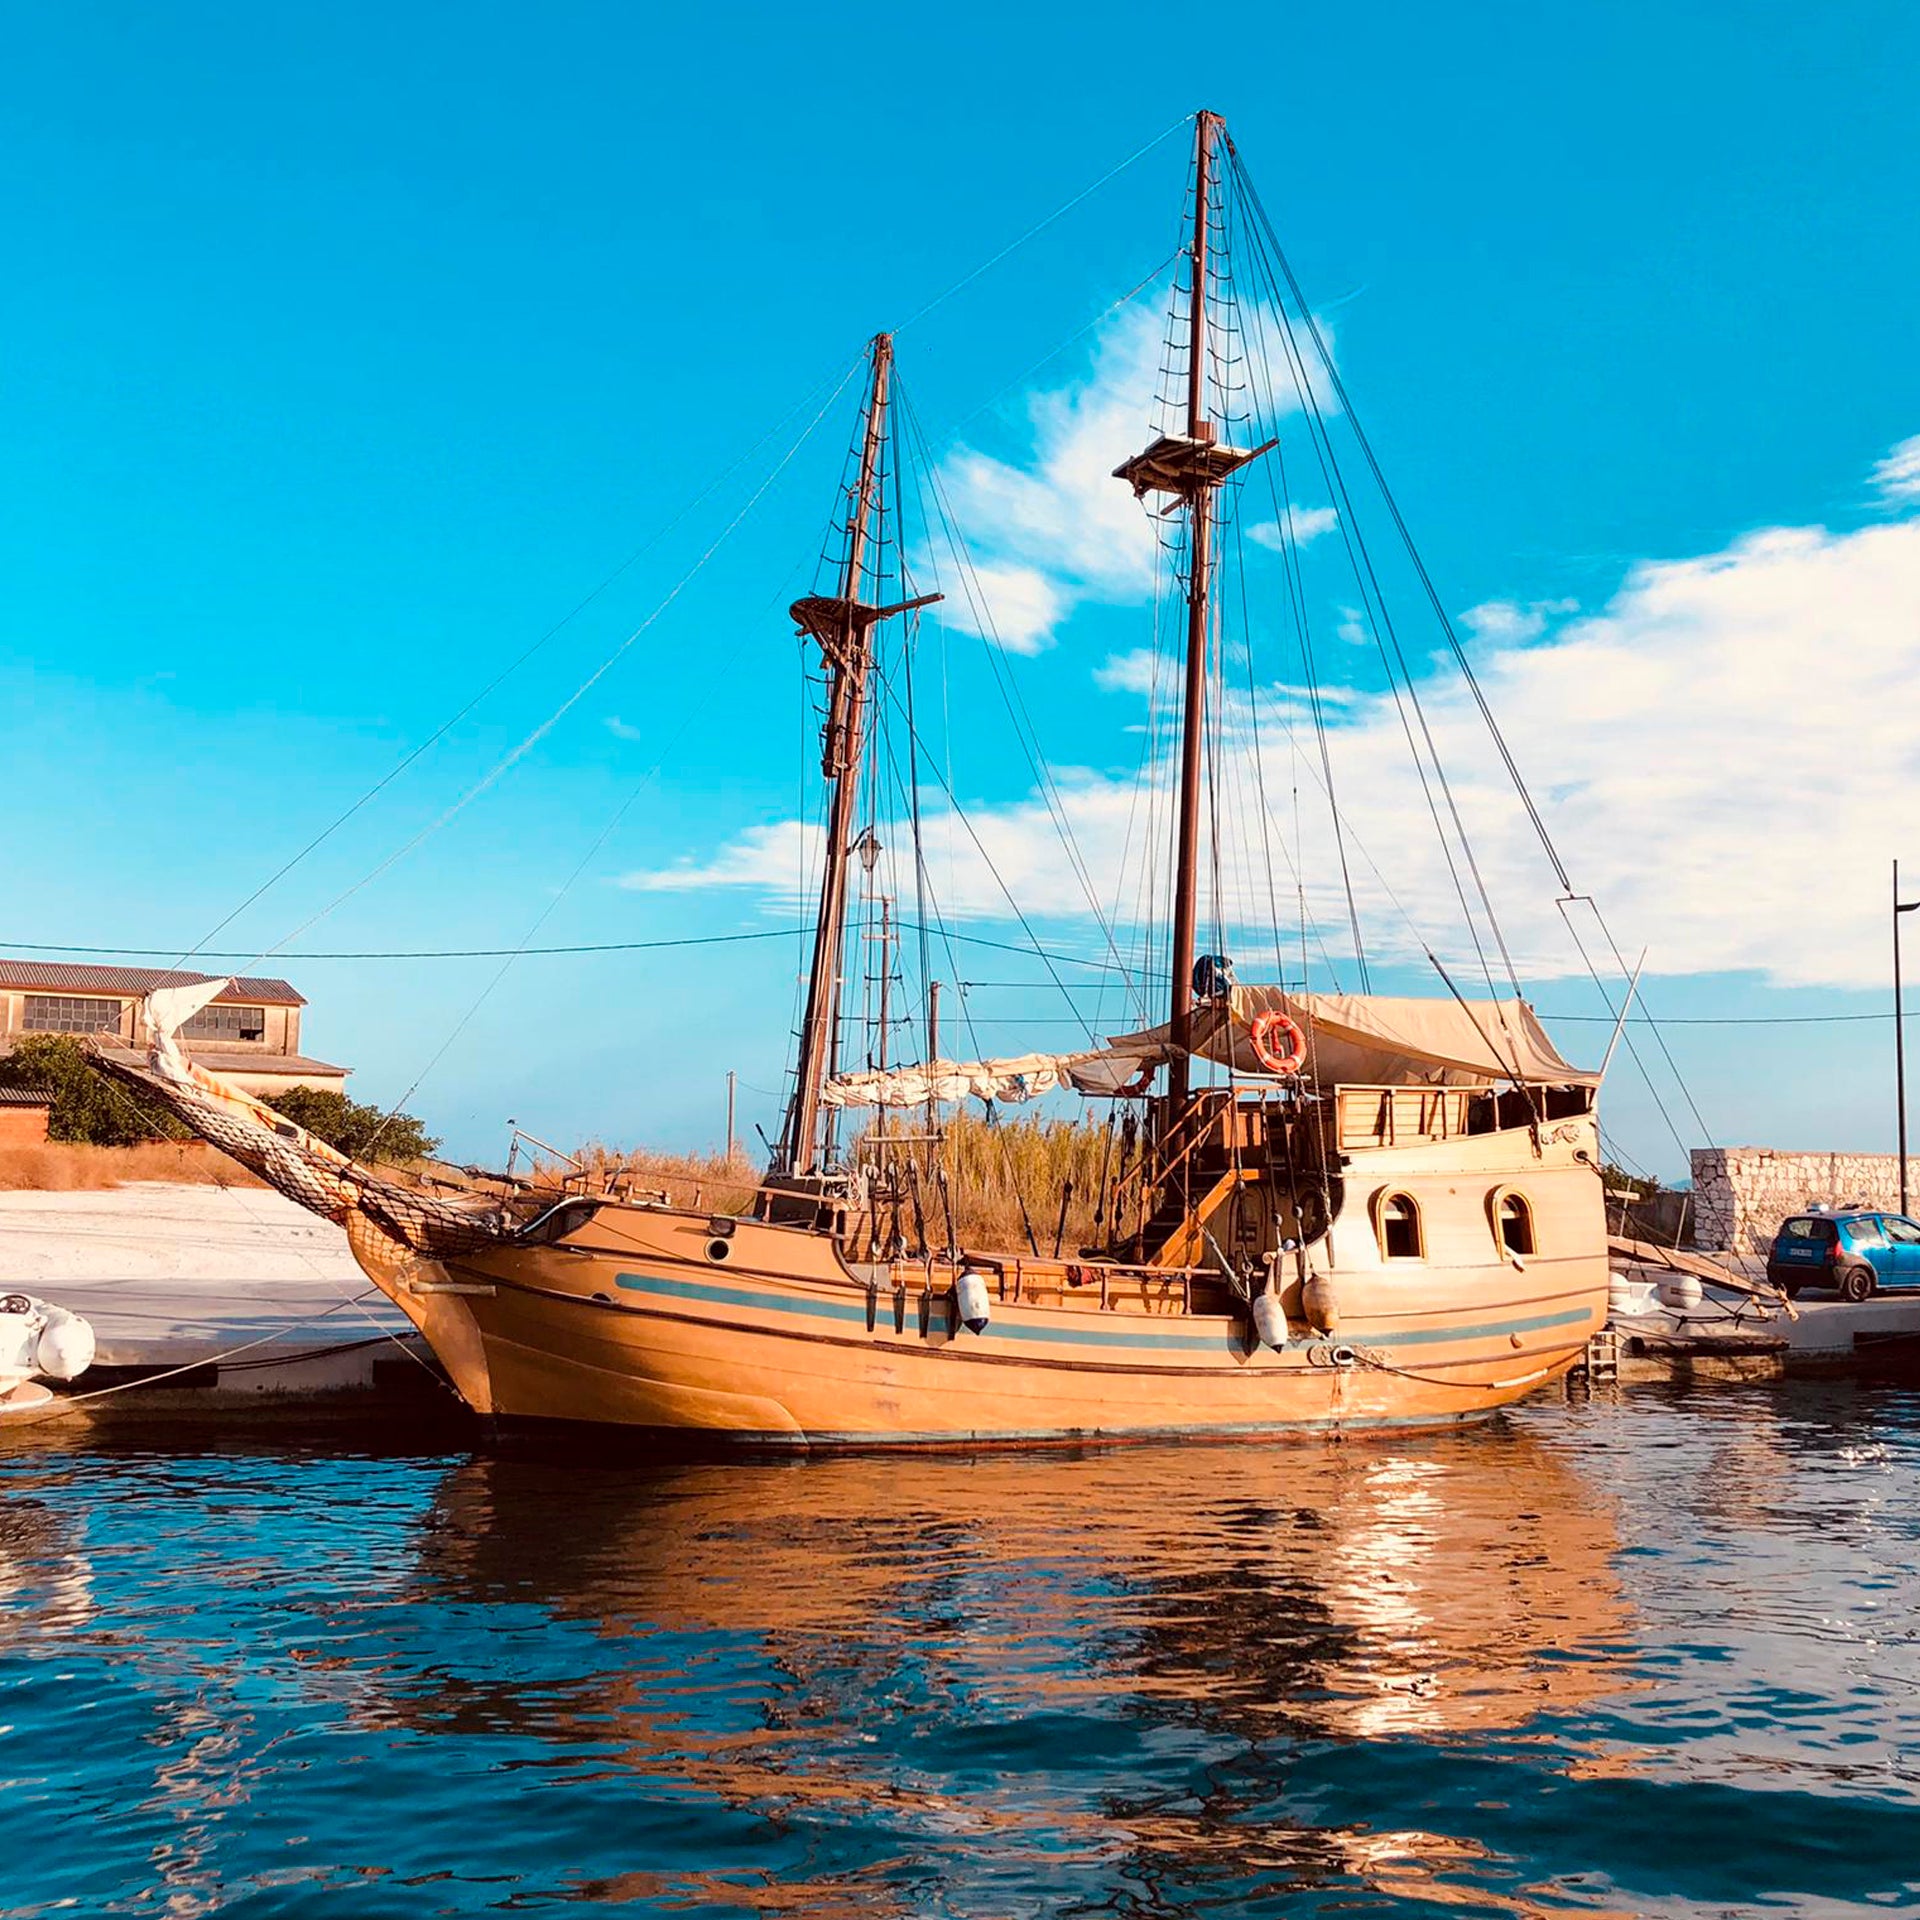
(1342, 1210)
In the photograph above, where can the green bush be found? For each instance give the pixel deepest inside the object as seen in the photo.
(354, 1127)
(87, 1108)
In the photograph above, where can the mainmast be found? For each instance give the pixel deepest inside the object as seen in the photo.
(843, 625)
(1191, 467)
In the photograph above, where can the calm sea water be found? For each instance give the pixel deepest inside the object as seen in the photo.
(1647, 1655)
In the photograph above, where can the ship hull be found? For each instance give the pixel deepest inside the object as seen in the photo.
(640, 1321)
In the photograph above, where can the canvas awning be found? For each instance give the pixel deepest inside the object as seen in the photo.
(1353, 1039)
(1379, 1040)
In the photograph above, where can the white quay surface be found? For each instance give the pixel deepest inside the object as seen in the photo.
(175, 1274)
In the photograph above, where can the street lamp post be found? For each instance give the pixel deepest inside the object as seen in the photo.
(1900, 1032)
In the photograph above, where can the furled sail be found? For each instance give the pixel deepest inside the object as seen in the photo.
(1353, 1039)
(1118, 1068)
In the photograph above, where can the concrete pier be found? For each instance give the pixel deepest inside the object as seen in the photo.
(258, 1300)
(1729, 1335)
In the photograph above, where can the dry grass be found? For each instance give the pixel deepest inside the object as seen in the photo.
(992, 1173)
(59, 1167)
(707, 1180)
(1003, 1178)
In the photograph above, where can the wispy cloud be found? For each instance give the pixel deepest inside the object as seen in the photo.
(1897, 477)
(1136, 671)
(623, 729)
(1305, 523)
(1510, 623)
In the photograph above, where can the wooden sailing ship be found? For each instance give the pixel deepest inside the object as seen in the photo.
(1389, 1213)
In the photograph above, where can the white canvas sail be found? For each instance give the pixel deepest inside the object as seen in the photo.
(1353, 1039)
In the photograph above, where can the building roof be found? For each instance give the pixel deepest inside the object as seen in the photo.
(24, 1097)
(130, 983)
(257, 1062)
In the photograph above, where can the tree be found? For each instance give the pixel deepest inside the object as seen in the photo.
(87, 1107)
(357, 1129)
(1618, 1180)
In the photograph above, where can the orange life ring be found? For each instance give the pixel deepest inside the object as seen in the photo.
(1266, 1030)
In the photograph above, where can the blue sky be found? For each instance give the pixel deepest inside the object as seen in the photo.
(346, 352)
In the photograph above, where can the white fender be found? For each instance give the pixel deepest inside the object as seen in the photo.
(38, 1337)
(64, 1350)
(1270, 1321)
(973, 1308)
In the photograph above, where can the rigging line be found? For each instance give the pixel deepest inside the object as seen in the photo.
(1040, 226)
(959, 813)
(935, 926)
(1024, 729)
(526, 746)
(1292, 569)
(1633, 1052)
(988, 634)
(1380, 620)
(500, 679)
(1686, 1092)
(1360, 847)
(1413, 553)
(68, 1401)
(909, 656)
(1267, 822)
(1133, 293)
(545, 913)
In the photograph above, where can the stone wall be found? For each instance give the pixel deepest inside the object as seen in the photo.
(1741, 1194)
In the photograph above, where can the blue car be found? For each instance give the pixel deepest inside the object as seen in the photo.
(1854, 1252)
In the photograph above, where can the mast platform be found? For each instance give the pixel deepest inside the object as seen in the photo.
(1185, 464)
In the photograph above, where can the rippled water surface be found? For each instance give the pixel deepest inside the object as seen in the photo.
(1646, 1655)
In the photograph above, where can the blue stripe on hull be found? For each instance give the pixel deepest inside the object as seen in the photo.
(854, 1312)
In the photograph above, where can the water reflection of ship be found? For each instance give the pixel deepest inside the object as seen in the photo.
(913, 1636)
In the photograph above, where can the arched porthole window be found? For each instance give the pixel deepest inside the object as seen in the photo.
(1396, 1221)
(1513, 1223)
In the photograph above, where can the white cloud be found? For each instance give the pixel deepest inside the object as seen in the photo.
(1897, 477)
(779, 859)
(1140, 670)
(1508, 623)
(1062, 521)
(1726, 734)
(1022, 606)
(1306, 523)
(1059, 519)
(623, 729)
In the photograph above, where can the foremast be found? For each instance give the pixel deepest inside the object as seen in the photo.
(842, 624)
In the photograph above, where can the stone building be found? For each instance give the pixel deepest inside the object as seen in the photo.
(249, 1034)
(1741, 1194)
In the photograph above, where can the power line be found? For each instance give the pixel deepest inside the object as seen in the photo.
(969, 939)
(600, 946)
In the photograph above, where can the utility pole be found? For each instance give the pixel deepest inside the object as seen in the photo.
(730, 1139)
(1900, 1032)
